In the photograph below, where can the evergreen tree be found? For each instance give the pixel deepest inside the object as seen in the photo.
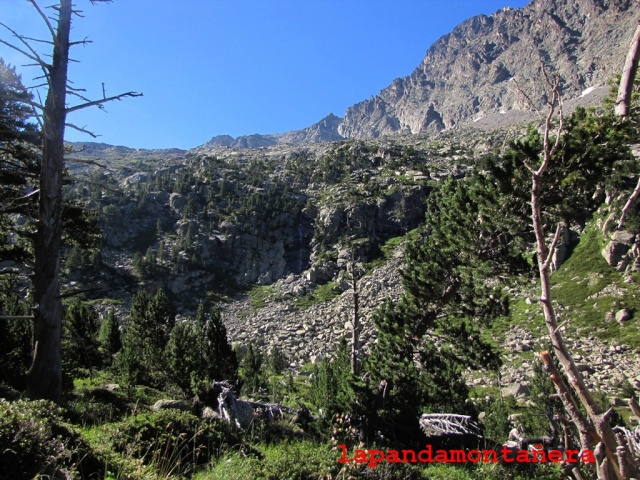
(277, 361)
(145, 337)
(109, 338)
(15, 335)
(199, 352)
(251, 370)
(184, 357)
(333, 384)
(18, 165)
(80, 342)
(218, 356)
(432, 333)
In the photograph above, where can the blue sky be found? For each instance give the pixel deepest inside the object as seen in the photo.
(237, 67)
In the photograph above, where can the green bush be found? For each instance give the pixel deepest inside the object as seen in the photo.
(171, 442)
(35, 441)
(93, 406)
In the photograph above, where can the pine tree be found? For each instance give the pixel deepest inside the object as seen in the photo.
(199, 352)
(80, 343)
(109, 337)
(145, 337)
(251, 370)
(183, 357)
(450, 290)
(15, 335)
(219, 357)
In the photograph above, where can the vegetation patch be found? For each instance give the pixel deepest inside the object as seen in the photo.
(590, 289)
(35, 441)
(320, 294)
(171, 442)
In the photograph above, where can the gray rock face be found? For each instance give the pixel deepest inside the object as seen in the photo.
(622, 251)
(326, 130)
(175, 404)
(468, 73)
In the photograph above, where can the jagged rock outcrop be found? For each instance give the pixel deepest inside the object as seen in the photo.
(469, 72)
(326, 130)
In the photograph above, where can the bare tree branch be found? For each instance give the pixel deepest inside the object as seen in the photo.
(81, 42)
(36, 58)
(48, 42)
(44, 17)
(88, 162)
(628, 74)
(71, 179)
(552, 247)
(99, 103)
(628, 205)
(527, 98)
(82, 130)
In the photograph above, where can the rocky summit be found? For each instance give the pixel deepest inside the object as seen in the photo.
(475, 71)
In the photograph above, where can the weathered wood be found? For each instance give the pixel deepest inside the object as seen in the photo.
(628, 75)
(598, 419)
(45, 374)
(635, 408)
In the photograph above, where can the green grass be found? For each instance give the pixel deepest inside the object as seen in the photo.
(575, 286)
(586, 274)
(320, 294)
(259, 295)
(282, 461)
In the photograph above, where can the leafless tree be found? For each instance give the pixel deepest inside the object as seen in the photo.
(595, 431)
(625, 88)
(45, 374)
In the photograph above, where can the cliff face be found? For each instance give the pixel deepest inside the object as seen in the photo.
(470, 72)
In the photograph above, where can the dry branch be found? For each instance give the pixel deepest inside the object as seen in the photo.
(628, 74)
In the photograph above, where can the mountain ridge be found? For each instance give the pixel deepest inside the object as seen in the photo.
(468, 73)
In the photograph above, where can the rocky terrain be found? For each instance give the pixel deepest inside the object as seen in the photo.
(268, 223)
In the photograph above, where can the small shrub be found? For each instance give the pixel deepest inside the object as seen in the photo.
(35, 441)
(93, 406)
(170, 441)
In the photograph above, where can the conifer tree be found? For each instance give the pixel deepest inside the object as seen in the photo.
(183, 357)
(109, 337)
(450, 289)
(80, 343)
(219, 357)
(145, 337)
(199, 352)
(251, 370)
(15, 335)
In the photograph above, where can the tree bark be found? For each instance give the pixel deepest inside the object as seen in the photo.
(628, 75)
(355, 331)
(45, 374)
(601, 433)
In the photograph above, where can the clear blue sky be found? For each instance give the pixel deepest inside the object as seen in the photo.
(238, 67)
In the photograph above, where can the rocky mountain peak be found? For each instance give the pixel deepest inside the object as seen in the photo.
(471, 72)
(468, 73)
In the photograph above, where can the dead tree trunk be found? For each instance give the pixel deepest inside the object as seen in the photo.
(45, 375)
(628, 75)
(599, 429)
(623, 102)
(355, 322)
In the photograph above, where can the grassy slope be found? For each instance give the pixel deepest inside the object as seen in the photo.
(584, 289)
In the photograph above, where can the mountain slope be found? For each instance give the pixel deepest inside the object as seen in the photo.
(468, 73)
(326, 130)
